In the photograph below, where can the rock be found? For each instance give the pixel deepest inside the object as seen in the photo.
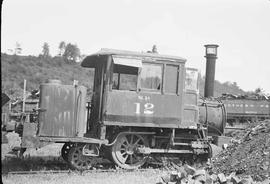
(246, 180)
(197, 182)
(13, 140)
(174, 173)
(183, 181)
(214, 177)
(190, 170)
(265, 165)
(199, 172)
(200, 175)
(215, 149)
(267, 181)
(201, 178)
(235, 180)
(225, 146)
(209, 181)
(230, 176)
(166, 178)
(190, 180)
(222, 178)
(174, 176)
(237, 141)
(182, 173)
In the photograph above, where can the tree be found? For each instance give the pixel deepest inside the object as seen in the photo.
(18, 49)
(45, 50)
(62, 47)
(259, 91)
(72, 53)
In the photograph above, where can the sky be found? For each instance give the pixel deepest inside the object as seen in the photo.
(178, 27)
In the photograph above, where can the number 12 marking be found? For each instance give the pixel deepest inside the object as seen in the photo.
(148, 108)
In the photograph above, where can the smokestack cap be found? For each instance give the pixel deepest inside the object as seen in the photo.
(211, 50)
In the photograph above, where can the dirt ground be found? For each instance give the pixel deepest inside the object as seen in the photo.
(135, 177)
(48, 158)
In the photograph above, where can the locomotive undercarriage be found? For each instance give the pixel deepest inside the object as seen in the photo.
(130, 148)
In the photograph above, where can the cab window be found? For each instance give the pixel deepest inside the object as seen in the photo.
(191, 82)
(171, 78)
(125, 78)
(151, 76)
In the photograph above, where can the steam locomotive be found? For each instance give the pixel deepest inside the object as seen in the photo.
(143, 104)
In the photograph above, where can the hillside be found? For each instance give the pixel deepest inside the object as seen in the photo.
(36, 70)
(14, 69)
(220, 88)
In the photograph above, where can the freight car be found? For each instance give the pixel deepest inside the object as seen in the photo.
(143, 104)
(242, 109)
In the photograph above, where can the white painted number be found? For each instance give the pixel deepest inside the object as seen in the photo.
(138, 107)
(148, 108)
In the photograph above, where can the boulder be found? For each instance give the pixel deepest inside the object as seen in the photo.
(166, 178)
(209, 181)
(214, 177)
(246, 180)
(235, 180)
(189, 170)
(222, 178)
(267, 181)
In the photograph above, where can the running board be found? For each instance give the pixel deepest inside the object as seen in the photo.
(74, 140)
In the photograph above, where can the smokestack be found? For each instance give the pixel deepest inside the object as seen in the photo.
(211, 56)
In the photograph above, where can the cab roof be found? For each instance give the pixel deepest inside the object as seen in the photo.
(92, 60)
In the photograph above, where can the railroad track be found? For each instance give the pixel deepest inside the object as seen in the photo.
(77, 172)
(234, 128)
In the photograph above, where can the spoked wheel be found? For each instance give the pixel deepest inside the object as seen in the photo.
(65, 149)
(77, 160)
(124, 151)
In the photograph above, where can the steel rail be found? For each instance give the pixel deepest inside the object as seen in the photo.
(76, 171)
(234, 128)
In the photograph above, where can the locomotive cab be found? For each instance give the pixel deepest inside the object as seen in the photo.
(141, 90)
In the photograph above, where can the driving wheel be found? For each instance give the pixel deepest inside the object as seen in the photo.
(124, 151)
(77, 160)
